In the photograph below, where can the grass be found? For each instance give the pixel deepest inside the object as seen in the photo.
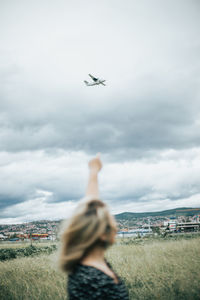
(25, 244)
(160, 270)
(31, 278)
(166, 269)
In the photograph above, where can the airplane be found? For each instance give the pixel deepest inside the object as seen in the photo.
(96, 81)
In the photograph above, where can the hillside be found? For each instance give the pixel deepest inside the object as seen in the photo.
(182, 211)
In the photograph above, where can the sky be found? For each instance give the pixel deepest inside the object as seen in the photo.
(145, 121)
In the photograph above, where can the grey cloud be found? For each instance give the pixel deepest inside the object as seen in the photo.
(9, 200)
(147, 124)
(26, 176)
(23, 175)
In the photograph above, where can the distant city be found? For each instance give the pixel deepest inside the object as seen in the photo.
(180, 220)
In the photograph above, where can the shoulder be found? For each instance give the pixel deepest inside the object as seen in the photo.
(86, 275)
(86, 282)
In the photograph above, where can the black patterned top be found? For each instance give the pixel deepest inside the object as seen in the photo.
(90, 283)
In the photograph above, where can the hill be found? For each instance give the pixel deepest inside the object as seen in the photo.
(181, 211)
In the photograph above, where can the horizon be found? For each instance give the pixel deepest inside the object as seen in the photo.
(58, 220)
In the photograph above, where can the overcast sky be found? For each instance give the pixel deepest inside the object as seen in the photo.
(145, 121)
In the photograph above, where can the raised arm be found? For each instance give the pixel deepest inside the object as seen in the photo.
(95, 166)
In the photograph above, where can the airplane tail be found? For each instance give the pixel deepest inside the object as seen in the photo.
(86, 82)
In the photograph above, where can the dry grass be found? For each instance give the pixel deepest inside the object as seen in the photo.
(166, 270)
(160, 270)
(25, 244)
(31, 278)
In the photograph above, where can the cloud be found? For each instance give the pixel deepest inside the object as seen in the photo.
(23, 174)
(53, 179)
(133, 125)
(142, 121)
(37, 209)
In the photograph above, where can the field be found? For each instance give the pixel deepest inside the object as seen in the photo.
(4, 245)
(159, 269)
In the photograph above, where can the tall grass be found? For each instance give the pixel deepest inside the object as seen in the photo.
(4, 245)
(165, 270)
(160, 270)
(31, 278)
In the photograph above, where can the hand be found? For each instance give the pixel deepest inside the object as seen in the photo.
(95, 164)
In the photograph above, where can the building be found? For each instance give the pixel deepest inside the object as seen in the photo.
(2, 237)
(173, 225)
(134, 232)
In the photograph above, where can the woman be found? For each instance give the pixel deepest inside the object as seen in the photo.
(90, 231)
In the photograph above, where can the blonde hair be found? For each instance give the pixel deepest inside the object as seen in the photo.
(89, 223)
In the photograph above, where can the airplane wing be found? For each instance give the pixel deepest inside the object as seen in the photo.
(103, 83)
(93, 78)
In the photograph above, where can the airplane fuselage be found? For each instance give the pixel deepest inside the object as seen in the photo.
(96, 81)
